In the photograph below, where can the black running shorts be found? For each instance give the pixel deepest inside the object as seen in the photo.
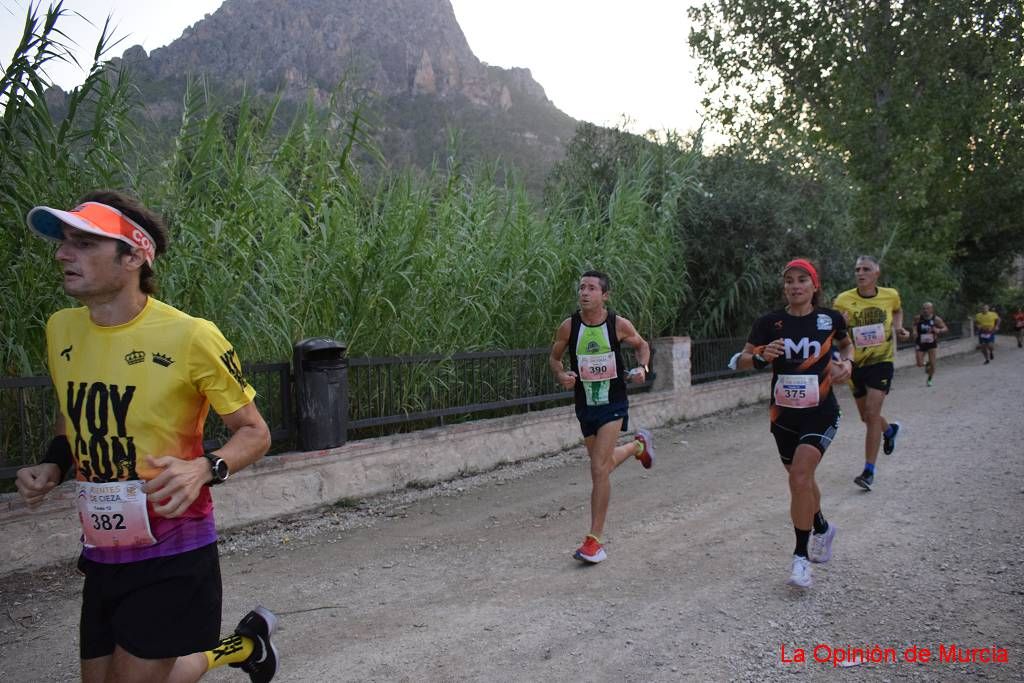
(877, 376)
(817, 429)
(927, 347)
(592, 418)
(154, 609)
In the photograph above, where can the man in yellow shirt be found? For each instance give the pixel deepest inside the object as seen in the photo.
(987, 323)
(135, 379)
(874, 314)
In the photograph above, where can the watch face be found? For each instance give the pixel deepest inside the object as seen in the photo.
(218, 468)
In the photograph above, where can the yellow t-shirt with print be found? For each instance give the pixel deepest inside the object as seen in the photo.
(141, 388)
(870, 323)
(986, 321)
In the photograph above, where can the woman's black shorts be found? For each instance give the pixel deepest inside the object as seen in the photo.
(816, 428)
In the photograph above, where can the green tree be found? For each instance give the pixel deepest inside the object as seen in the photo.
(745, 214)
(753, 216)
(920, 101)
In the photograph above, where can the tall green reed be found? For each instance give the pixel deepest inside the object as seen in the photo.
(280, 238)
(50, 160)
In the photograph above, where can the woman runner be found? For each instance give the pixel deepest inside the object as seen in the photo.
(799, 342)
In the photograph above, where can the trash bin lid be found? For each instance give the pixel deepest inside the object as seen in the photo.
(319, 344)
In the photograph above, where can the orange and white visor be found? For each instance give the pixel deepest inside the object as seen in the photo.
(92, 217)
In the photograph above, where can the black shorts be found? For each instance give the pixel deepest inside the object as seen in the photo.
(877, 376)
(815, 429)
(927, 347)
(154, 609)
(592, 418)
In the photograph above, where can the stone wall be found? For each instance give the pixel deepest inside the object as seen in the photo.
(293, 482)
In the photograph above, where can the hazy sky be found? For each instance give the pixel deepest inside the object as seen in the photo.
(598, 60)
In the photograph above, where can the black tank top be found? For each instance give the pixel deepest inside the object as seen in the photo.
(596, 343)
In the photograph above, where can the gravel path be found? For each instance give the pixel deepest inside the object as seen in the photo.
(473, 579)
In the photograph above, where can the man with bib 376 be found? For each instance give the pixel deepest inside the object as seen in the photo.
(135, 379)
(593, 336)
(873, 314)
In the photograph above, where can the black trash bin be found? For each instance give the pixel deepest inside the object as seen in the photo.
(321, 392)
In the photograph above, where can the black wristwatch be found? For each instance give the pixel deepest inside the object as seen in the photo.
(759, 361)
(218, 469)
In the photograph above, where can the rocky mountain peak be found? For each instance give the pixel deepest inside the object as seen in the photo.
(411, 56)
(390, 47)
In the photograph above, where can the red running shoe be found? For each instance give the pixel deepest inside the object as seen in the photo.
(591, 551)
(647, 457)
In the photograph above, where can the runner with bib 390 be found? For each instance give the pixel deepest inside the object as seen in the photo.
(593, 336)
(135, 379)
(800, 343)
(873, 314)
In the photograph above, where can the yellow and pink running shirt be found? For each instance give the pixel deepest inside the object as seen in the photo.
(137, 389)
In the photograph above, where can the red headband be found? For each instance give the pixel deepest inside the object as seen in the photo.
(805, 265)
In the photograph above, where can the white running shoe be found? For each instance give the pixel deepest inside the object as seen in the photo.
(800, 576)
(820, 548)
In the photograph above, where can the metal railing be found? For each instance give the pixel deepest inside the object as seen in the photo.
(418, 389)
(27, 409)
(386, 395)
(709, 359)
(273, 384)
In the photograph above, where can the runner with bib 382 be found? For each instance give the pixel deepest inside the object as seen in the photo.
(135, 379)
